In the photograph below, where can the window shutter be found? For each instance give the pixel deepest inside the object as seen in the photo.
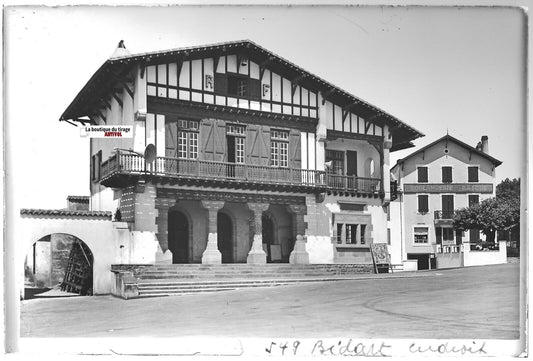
(473, 174)
(423, 204)
(422, 174)
(98, 164)
(171, 139)
(252, 147)
(219, 133)
(351, 163)
(206, 139)
(459, 236)
(438, 231)
(446, 174)
(473, 199)
(221, 84)
(255, 88)
(93, 168)
(295, 150)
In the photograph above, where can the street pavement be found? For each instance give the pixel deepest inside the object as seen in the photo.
(475, 302)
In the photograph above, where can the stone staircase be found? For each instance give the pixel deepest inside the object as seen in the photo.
(135, 281)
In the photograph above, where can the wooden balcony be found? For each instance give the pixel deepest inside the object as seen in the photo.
(444, 215)
(122, 169)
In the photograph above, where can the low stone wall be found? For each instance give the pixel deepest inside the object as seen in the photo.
(449, 260)
(480, 258)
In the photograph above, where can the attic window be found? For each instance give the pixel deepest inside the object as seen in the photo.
(237, 85)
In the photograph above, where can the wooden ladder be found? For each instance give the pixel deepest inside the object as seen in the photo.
(79, 273)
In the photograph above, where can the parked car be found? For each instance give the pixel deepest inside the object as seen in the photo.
(483, 246)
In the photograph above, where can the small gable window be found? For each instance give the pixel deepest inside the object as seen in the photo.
(237, 85)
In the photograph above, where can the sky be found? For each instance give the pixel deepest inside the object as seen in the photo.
(456, 70)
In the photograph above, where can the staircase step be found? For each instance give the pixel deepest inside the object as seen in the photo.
(167, 280)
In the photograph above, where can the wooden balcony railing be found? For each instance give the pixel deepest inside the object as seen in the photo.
(444, 214)
(127, 163)
(350, 182)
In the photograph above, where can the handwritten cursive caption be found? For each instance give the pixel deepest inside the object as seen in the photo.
(348, 347)
(373, 348)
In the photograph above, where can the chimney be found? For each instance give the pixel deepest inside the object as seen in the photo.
(120, 50)
(485, 144)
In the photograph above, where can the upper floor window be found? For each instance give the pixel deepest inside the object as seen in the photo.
(337, 161)
(423, 203)
(422, 174)
(473, 174)
(188, 138)
(235, 142)
(237, 85)
(446, 174)
(279, 148)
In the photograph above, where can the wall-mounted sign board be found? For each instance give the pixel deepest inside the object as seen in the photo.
(448, 188)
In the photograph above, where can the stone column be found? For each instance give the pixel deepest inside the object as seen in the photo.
(257, 255)
(299, 253)
(211, 254)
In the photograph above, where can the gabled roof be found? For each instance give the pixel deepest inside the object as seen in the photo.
(116, 68)
(449, 138)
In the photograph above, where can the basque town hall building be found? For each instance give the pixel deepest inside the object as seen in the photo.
(257, 160)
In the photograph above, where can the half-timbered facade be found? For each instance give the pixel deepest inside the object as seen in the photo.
(257, 160)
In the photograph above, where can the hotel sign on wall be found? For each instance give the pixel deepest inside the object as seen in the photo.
(448, 188)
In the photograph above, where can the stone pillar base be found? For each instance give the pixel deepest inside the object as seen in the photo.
(256, 258)
(212, 257)
(299, 254)
(257, 255)
(211, 254)
(163, 257)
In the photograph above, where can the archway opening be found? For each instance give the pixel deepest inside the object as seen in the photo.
(178, 236)
(225, 237)
(58, 262)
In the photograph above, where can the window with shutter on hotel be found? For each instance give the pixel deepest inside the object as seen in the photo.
(422, 174)
(421, 235)
(473, 174)
(446, 174)
(336, 158)
(473, 199)
(423, 203)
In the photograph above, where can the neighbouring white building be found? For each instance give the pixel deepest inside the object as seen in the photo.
(433, 182)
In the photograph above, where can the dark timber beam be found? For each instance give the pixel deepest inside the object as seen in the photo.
(101, 116)
(326, 94)
(105, 104)
(215, 67)
(119, 101)
(263, 65)
(122, 81)
(295, 82)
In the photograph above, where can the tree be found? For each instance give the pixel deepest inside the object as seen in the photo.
(489, 216)
(509, 189)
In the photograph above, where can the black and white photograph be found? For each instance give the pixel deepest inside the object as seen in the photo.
(265, 180)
